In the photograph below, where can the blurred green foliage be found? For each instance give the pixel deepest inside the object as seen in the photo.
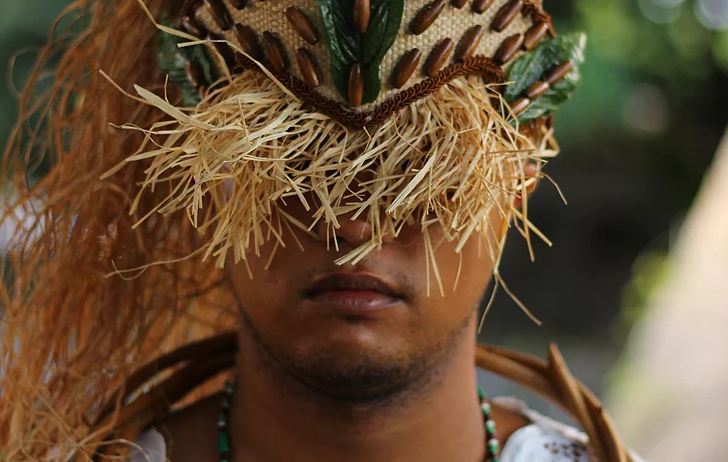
(681, 56)
(637, 138)
(650, 272)
(24, 27)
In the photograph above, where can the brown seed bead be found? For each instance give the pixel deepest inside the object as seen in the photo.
(274, 52)
(534, 34)
(506, 14)
(220, 14)
(439, 56)
(558, 72)
(223, 48)
(302, 24)
(192, 8)
(309, 67)
(508, 48)
(520, 105)
(537, 89)
(406, 67)
(458, 3)
(248, 40)
(239, 4)
(479, 6)
(356, 85)
(426, 16)
(362, 11)
(469, 43)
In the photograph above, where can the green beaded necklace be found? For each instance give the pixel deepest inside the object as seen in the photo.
(224, 446)
(491, 443)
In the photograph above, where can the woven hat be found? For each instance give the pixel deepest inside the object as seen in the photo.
(400, 112)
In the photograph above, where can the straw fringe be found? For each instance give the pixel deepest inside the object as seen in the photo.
(232, 162)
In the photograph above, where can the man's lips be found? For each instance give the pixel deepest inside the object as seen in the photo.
(353, 292)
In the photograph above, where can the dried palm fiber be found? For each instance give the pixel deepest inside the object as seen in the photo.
(551, 379)
(70, 335)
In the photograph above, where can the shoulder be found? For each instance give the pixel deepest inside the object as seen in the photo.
(183, 435)
(541, 438)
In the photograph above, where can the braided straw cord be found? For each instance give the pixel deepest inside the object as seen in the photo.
(192, 367)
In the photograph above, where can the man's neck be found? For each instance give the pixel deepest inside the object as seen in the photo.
(440, 421)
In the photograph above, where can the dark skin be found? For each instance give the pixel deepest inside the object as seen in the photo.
(318, 383)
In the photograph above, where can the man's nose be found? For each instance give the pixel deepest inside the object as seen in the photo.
(353, 232)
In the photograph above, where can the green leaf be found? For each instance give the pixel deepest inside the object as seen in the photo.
(346, 46)
(199, 55)
(173, 61)
(338, 21)
(386, 17)
(532, 66)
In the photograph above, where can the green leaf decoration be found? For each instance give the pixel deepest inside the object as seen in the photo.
(173, 61)
(347, 46)
(532, 66)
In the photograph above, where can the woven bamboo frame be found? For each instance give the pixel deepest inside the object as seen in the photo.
(192, 367)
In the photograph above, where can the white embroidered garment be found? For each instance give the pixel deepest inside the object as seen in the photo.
(544, 440)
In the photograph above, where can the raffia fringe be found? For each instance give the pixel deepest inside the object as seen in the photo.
(250, 146)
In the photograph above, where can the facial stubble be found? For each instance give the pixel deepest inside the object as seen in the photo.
(370, 380)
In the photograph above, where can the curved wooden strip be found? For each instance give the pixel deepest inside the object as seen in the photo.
(201, 348)
(136, 416)
(522, 358)
(516, 372)
(571, 394)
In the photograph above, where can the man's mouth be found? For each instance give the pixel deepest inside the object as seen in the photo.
(353, 293)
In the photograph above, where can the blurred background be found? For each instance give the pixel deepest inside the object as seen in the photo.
(633, 288)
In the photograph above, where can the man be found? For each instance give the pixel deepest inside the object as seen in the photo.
(353, 363)
(350, 168)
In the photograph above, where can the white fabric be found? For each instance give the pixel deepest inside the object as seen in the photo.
(150, 447)
(544, 440)
(537, 443)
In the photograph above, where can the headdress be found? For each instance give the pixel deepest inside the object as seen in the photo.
(398, 111)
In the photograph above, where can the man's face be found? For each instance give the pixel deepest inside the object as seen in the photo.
(360, 331)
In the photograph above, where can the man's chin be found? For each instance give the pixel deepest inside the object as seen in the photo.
(354, 362)
(357, 378)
